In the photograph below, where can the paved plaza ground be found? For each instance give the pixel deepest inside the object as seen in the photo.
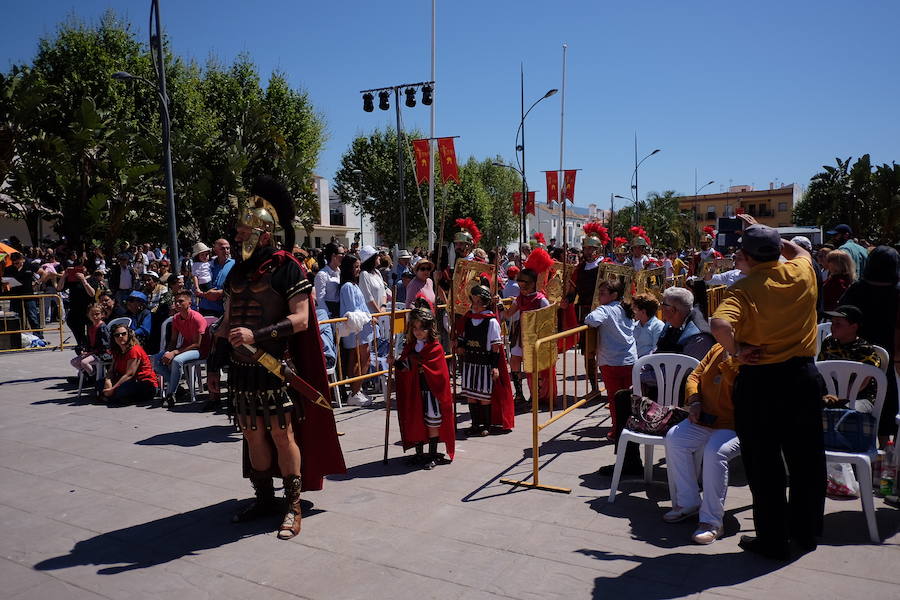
(134, 502)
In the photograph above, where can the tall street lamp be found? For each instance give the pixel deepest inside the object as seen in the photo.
(156, 55)
(384, 94)
(697, 193)
(634, 179)
(521, 148)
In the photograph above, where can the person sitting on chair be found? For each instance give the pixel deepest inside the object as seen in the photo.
(183, 345)
(709, 431)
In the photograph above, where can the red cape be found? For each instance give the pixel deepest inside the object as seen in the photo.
(503, 409)
(433, 366)
(316, 434)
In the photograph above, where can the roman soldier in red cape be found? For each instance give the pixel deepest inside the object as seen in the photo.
(485, 374)
(706, 255)
(580, 293)
(277, 375)
(529, 298)
(424, 400)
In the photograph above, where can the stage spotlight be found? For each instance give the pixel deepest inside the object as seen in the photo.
(410, 97)
(384, 100)
(427, 90)
(368, 106)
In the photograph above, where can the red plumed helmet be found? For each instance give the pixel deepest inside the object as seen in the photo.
(708, 230)
(468, 231)
(598, 231)
(539, 261)
(540, 239)
(619, 242)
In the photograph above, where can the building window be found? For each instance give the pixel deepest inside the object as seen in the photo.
(318, 242)
(751, 210)
(782, 207)
(729, 211)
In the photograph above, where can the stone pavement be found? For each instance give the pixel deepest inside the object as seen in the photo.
(134, 502)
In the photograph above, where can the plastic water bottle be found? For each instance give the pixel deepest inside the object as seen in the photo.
(888, 470)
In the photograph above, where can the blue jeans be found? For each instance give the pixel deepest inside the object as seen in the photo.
(134, 391)
(34, 316)
(171, 372)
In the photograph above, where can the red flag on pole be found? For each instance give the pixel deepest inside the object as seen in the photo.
(529, 206)
(517, 203)
(449, 169)
(552, 186)
(423, 160)
(569, 186)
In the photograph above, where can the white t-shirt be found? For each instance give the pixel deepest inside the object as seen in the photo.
(372, 287)
(202, 271)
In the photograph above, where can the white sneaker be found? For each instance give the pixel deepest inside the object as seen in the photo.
(706, 534)
(359, 399)
(678, 514)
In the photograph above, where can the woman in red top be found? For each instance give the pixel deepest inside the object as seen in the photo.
(132, 372)
(842, 272)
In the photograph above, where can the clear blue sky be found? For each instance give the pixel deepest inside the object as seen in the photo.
(745, 92)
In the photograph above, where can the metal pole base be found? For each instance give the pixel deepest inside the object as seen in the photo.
(537, 486)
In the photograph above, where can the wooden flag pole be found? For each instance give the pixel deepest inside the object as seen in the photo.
(389, 387)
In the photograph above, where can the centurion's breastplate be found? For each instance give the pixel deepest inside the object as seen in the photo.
(254, 304)
(585, 284)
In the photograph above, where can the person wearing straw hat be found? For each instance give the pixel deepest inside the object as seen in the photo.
(201, 268)
(421, 285)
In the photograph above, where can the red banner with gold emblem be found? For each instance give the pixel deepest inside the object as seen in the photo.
(517, 203)
(423, 160)
(569, 185)
(449, 168)
(529, 205)
(552, 186)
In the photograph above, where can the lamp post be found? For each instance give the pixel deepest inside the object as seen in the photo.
(697, 193)
(167, 158)
(634, 179)
(384, 104)
(521, 148)
(156, 55)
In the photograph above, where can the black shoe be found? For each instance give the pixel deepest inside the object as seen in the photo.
(628, 469)
(775, 552)
(182, 395)
(170, 402)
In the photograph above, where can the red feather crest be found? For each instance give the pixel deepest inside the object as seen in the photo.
(619, 241)
(638, 231)
(539, 261)
(540, 239)
(597, 230)
(708, 230)
(469, 225)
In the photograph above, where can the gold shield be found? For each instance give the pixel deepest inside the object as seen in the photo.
(551, 282)
(466, 275)
(615, 273)
(651, 281)
(537, 324)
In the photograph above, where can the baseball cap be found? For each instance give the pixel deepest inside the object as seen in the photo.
(139, 296)
(842, 228)
(847, 311)
(803, 242)
(761, 242)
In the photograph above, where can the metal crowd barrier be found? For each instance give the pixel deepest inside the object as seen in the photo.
(9, 304)
(536, 427)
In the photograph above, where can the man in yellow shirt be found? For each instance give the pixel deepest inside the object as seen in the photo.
(768, 322)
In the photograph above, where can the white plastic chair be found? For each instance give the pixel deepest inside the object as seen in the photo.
(823, 330)
(885, 359)
(101, 366)
(670, 371)
(844, 378)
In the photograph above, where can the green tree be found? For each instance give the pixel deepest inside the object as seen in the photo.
(368, 179)
(81, 147)
(863, 196)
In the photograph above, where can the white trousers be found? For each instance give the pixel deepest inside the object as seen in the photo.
(716, 447)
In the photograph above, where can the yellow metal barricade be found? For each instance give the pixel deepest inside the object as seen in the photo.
(536, 427)
(17, 311)
(714, 297)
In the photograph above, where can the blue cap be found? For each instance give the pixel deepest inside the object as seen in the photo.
(842, 228)
(138, 296)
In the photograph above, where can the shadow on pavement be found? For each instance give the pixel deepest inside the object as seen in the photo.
(395, 466)
(36, 380)
(164, 540)
(215, 434)
(678, 575)
(848, 527)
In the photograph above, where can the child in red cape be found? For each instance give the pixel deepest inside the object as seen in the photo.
(424, 401)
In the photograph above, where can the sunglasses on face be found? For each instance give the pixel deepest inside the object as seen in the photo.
(120, 334)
